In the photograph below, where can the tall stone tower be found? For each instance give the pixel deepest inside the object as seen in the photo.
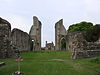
(60, 35)
(35, 34)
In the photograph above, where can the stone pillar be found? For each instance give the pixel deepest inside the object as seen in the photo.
(60, 32)
(35, 33)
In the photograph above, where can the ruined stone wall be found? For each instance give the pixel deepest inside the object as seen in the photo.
(80, 47)
(49, 46)
(60, 32)
(35, 33)
(6, 50)
(21, 40)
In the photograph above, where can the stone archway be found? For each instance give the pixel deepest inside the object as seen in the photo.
(63, 44)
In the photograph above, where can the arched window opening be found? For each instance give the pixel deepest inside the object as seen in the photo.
(63, 44)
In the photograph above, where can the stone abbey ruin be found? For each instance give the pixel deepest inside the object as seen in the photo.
(18, 40)
(10, 41)
(35, 34)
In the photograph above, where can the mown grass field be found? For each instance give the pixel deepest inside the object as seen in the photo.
(52, 63)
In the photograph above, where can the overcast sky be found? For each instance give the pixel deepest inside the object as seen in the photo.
(20, 13)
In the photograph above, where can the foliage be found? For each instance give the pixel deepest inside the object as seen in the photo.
(82, 26)
(93, 34)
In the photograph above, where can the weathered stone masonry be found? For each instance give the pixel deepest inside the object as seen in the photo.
(80, 47)
(35, 33)
(75, 42)
(6, 49)
(17, 39)
(21, 40)
(60, 34)
(49, 46)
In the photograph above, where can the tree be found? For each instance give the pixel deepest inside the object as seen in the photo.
(82, 26)
(93, 34)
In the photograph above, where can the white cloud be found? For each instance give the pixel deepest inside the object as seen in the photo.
(7, 1)
(19, 22)
(93, 5)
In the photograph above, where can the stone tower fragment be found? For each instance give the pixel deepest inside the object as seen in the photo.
(35, 33)
(60, 35)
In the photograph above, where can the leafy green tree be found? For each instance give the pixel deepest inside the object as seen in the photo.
(82, 26)
(93, 34)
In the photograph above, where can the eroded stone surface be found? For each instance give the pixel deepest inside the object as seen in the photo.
(21, 40)
(80, 48)
(49, 46)
(60, 34)
(35, 33)
(5, 39)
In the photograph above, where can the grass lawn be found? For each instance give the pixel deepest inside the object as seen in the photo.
(52, 63)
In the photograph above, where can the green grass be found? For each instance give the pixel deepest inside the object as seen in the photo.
(52, 63)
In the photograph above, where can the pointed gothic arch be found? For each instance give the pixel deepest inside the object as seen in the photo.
(63, 44)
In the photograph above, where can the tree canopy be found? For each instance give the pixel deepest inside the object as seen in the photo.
(82, 26)
(93, 34)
